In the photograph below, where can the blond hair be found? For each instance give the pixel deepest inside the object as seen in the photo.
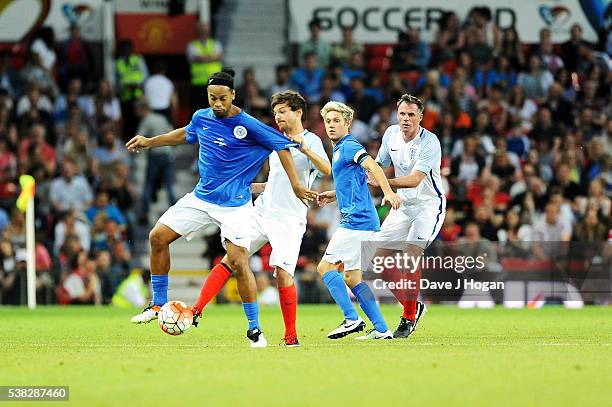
(346, 112)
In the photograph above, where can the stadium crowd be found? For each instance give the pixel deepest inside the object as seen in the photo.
(525, 132)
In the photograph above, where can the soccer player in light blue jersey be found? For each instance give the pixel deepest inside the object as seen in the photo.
(359, 222)
(232, 149)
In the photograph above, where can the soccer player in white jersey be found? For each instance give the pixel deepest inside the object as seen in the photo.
(359, 222)
(415, 154)
(280, 217)
(232, 149)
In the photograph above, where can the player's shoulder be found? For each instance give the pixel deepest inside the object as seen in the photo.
(351, 143)
(202, 113)
(428, 137)
(351, 148)
(248, 121)
(392, 131)
(312, 138)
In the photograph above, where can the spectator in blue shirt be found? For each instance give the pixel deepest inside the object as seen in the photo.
(307, 79)
(410, 53)
(355, 67)
(103, 204)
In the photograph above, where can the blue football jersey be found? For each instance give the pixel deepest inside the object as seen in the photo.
(232, 152)
(354, 199)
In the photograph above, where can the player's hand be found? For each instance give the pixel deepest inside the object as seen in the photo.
(138, 143)
(304, 194)
(300, 140)
(393, 199)
(323, 198)
(371, 180)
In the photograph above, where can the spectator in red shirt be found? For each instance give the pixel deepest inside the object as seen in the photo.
(450, 229)
(35, 147)
(75, 57)
(8, 171)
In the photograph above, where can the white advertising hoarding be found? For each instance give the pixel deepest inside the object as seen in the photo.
(378, 22)
(18, 18)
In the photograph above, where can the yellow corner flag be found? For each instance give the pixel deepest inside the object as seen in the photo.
(27, 191)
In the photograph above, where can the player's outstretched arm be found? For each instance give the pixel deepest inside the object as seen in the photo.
(303, 193)
(409, 181)
(321, 163)
(391, 197)
(173, 138)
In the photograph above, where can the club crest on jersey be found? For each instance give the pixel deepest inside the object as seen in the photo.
(412, 154)
(336, 155)
(240, 132)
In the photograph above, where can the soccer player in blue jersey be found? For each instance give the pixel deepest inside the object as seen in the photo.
(232, 149)
(280, 218)
(359, 222)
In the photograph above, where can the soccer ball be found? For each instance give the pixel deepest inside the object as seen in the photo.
(175, 317)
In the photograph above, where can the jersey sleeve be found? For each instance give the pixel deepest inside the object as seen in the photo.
(317, 147)
(353, 151)
(190, 130)
(429, 156)
(383, 157)
(267, 136)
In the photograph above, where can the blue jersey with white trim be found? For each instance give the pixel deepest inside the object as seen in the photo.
(232, 152)
(354, 199)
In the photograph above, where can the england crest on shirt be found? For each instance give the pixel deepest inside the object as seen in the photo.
(412, 154)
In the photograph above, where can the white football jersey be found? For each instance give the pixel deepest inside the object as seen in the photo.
(278, 199)
(423, 153)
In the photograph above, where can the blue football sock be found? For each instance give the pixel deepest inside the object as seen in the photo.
(251, 309)
(159, 282)
(368, 304)
(337, 288)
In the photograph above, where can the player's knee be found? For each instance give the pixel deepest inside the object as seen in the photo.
(284, 278)
(352, 279)
(413, 250)
(238, 265)
(157, 240)
(347, 278)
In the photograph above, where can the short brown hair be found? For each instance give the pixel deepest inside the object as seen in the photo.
(291, 98)
(411, 100)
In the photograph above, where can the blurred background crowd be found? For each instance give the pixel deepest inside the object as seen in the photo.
(525, 132)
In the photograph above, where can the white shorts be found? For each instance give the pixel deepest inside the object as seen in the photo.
(191, 214)
(416, 224)
(345, 247)
(285, 237)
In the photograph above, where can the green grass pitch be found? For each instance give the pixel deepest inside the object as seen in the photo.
(498, 357)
